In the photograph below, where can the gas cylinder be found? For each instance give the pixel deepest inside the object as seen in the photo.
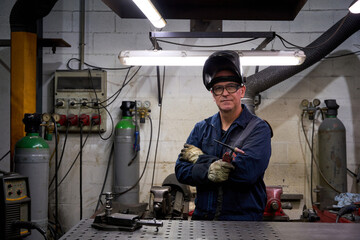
(31, 157)
(332, 155)
(126, 157)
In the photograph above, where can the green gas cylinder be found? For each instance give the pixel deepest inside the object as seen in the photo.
(126, 157)
(31, 157)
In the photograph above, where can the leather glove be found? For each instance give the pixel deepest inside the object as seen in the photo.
(190, 153)
(219, 171)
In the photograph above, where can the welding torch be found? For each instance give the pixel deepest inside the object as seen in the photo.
(228, 156)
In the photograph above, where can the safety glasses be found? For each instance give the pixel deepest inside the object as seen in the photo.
(230, 88)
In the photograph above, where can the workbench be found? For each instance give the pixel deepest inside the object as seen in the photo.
(182, 229)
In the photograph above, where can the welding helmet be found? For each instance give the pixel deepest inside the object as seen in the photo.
(218, 61)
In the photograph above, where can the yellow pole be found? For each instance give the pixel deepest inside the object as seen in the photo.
(23, 82)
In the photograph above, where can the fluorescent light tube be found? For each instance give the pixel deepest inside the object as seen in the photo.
(198, 58)
(271, 58)
(355, 8)
(151, 13)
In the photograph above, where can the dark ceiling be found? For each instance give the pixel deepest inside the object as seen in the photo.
(285, 10)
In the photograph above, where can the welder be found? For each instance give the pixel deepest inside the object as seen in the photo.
(226, 190)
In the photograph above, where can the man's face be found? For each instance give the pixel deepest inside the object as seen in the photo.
(226, 101)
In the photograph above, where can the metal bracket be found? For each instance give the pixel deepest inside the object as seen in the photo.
(201, 25)
(212, 35)
(269, 36)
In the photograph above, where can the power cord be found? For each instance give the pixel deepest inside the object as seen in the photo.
(98, 109)
(4, 156)
(56, 234)
(206, 46)
(114, 96)
(346, 209)
(30, 225)
(73, 163)
(95, 67)
(80, 169)
(313, 47)
(62, 152)
(56, 174)
(158, 135)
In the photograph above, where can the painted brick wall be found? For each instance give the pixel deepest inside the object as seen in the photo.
(186, 101)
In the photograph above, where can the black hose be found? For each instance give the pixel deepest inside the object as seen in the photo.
(62, 151)
(159, 126)
(314, 52)
(56, 175)
(80, 169)
(344, 210)
(30, 225)
(312, 162)
(73, 163)
(4, 155)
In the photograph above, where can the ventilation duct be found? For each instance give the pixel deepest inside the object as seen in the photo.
(314, 52)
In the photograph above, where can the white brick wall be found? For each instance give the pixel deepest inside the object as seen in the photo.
(186, 101)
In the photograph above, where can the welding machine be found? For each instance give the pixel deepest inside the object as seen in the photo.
(14, 205)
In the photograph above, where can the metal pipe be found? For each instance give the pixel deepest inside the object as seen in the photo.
(82, 33)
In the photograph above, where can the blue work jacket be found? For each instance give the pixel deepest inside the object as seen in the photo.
(244, 193)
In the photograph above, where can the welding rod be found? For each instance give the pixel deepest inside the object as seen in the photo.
(234, 149)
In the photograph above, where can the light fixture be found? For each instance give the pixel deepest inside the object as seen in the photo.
(355, 7)
(198, 58)
(151, 13)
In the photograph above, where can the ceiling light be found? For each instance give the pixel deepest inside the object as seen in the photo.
(198, 58)
(151, 13)
(355, 7)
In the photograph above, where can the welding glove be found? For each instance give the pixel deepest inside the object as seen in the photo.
(190, 153)
(219, 171)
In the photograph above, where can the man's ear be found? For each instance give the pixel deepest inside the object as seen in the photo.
(243, 89)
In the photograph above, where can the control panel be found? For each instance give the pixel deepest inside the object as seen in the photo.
(79, 99)
(14, 205)
(15, 189)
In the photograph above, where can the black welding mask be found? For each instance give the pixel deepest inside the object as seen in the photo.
(218, 61)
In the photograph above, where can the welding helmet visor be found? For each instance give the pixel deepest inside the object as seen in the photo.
(218, 61)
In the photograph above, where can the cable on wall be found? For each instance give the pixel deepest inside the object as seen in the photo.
(206, 46)
(159, 126)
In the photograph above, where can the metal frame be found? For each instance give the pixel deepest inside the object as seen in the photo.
(269, 36)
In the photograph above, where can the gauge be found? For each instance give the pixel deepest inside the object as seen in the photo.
(147, 104)
(46, 117)
(138, 104)
(56, 117)
(316, 102)
(305, 103)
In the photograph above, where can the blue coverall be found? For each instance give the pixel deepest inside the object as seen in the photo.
(244, 193)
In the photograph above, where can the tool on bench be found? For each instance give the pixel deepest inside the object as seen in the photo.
(121, 222)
